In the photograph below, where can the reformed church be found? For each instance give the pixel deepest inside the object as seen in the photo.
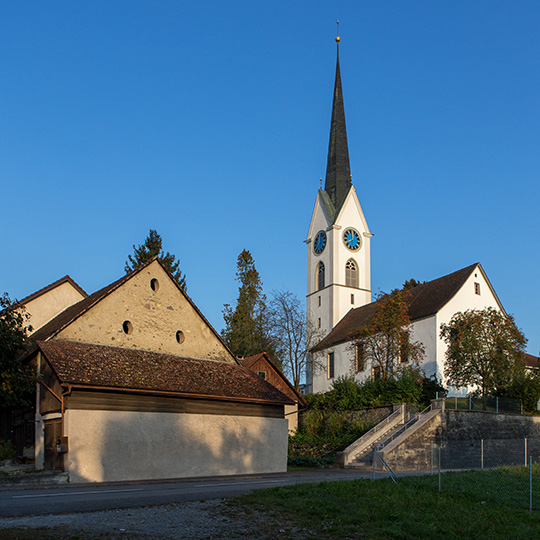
(339, 298)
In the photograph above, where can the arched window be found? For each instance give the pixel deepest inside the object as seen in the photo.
(351, 274)
(320, 276)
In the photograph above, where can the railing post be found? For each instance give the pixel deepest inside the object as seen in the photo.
(482, 454)
(497, 405)
(530, 483)
(439, 466)
(373, 452)
(431, 458)
(525, 447)
(470, 402)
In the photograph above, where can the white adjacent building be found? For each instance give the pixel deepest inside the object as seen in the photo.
(339, 279)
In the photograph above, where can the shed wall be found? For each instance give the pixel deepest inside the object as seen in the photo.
(135, 445)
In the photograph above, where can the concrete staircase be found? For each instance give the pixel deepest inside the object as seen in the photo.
(358, 454)
(387, 434)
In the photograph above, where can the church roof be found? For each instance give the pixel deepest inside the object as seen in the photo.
(531, 361)
(338, 169)
(86, 365)
(424, 300)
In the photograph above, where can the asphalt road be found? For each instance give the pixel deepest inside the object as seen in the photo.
(91, 497)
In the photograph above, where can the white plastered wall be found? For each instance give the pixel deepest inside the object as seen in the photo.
(466, 298)
(123, 445)
(47, 306)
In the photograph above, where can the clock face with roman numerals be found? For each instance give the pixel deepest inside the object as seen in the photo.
(320, 242)
(351, 239)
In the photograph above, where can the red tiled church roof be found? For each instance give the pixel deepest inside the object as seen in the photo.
(424, 300)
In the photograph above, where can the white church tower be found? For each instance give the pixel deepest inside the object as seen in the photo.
(338, 240)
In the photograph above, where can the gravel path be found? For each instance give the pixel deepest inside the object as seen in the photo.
(206, 520)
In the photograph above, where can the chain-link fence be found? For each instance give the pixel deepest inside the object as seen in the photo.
(500, 471)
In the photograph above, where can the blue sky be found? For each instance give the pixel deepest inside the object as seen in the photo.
(209, 122)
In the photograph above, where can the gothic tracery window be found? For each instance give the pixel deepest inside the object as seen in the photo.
(320, 276)
(351, 274)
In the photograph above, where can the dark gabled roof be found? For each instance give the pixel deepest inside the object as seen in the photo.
(87, 365)
(424, 300)
(250, 361)
(61, 281)
(530, 360)
(338, 169)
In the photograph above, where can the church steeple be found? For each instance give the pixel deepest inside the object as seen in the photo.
(338, 169)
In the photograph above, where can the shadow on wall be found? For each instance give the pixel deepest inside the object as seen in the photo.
(122, 445)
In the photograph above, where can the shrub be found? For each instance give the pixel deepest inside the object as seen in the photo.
(7, 450)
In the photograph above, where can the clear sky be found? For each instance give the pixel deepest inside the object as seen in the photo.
(209, 121)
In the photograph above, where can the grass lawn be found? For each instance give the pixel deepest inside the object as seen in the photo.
(411, 509)
(473, 505)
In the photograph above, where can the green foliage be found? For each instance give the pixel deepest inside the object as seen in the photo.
(151, 248)
(247, 329)
(327, 438)
(305, 461)
(16, 380)
(349, 394)
(485, 349)
(387, 337)
(525, 386)
(7, 450)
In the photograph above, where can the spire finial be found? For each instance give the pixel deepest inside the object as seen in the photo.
(338, 39)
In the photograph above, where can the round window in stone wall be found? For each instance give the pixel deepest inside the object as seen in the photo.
(127, 327)
(180, 336)
(154, 284)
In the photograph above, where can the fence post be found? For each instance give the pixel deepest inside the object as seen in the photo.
(497, 405)
(530, 483)
(373, 453)
(525, 448)
(482, 454)
(470, 402)
(439, 466)
(431, 458)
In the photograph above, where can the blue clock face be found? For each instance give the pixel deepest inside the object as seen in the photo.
(352, 240)
(320, 242)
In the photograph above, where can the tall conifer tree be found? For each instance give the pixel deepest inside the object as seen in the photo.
(152, 247)
(246, 326)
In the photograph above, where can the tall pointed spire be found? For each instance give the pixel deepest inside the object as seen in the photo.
(338, 169)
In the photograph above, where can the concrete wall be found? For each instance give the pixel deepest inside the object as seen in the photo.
(459, 434)
(155, 315)
(123, 445)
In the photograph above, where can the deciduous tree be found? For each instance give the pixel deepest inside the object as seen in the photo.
(485, 349)
(386, 340)
(16, 380)
(152, 247)
(292, 335)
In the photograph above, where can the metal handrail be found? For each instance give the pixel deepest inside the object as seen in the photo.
(374, 430)
(404, 428)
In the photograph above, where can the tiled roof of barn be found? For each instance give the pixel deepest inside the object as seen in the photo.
(424, 300)
(105, 367)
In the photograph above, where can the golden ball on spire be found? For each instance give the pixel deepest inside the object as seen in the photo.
(338, 39)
